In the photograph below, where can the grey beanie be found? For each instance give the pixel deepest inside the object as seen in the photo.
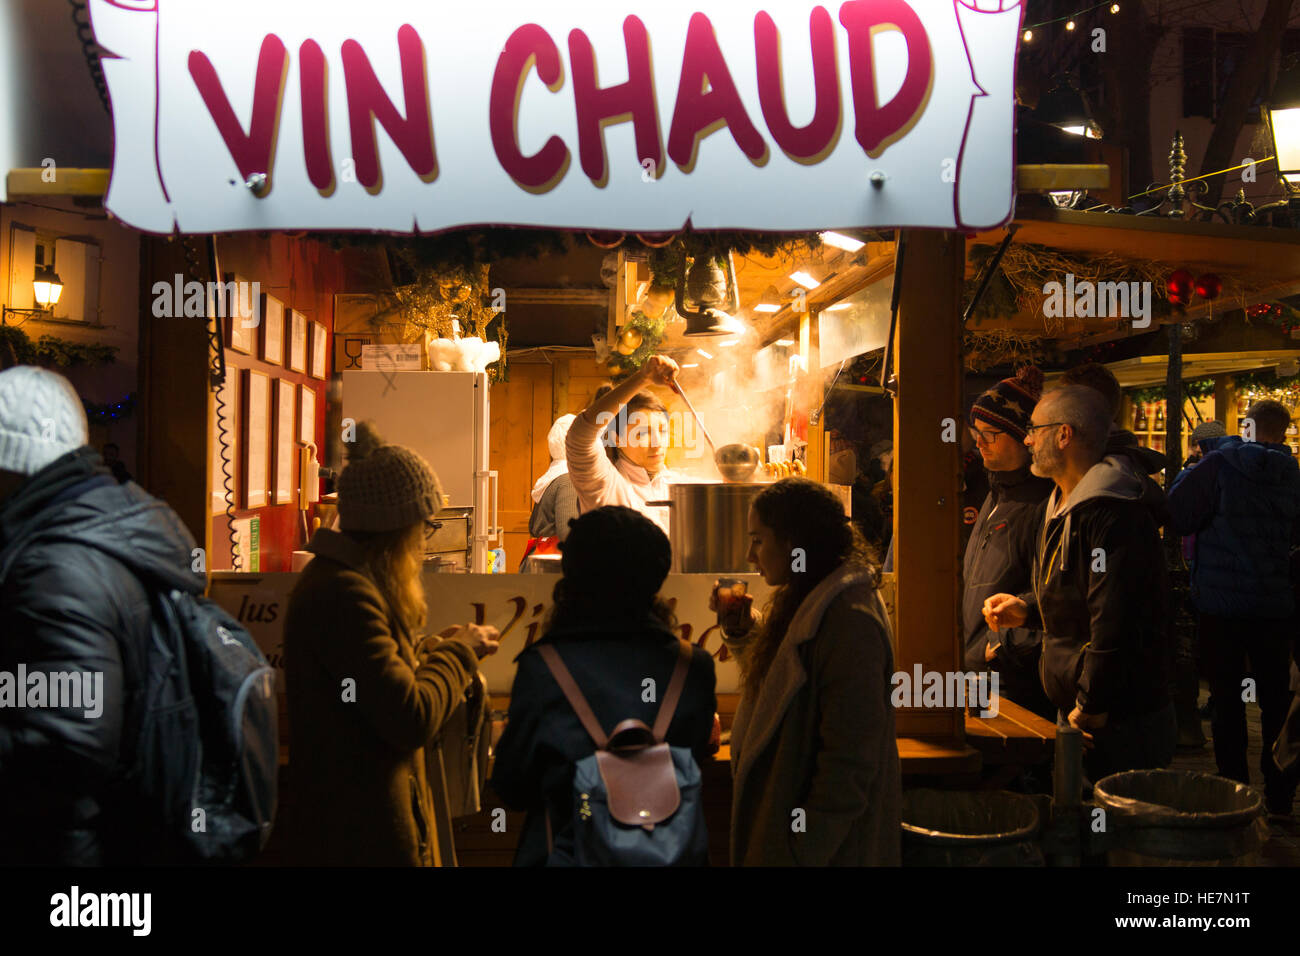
(385, 487)
(41, 419)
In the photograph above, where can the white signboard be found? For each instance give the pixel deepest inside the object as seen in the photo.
(405, 115)
(519, 602)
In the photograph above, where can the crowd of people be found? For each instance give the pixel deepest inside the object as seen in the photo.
(1066, 577)
(1066, 595)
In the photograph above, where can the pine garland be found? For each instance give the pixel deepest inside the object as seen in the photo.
(1199, 388)
(52, 352)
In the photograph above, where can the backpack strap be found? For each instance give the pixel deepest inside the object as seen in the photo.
(551, 657)
(674, 693)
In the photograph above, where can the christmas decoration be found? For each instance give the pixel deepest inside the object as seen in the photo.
(1208, 286)
(102, 414)
(646, 333)
(630, 340)
(1179, 287)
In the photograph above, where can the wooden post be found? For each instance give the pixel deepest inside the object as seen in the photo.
(810, 349)
(1225, 403)
(927, 470)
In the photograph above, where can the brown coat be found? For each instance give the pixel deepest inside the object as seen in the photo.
(357, 767)
(820, 738)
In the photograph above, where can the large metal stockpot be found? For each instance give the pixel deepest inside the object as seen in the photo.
(708, 524)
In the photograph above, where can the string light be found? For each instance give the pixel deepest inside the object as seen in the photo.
(1070, 25)
(1078, 13)
(1029, 36)
(1114, 8)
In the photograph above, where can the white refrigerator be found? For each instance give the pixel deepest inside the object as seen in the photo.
(444, 417)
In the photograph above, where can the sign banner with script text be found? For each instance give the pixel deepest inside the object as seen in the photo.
(411, 116)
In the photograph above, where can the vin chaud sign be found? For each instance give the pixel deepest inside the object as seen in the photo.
(405, 116)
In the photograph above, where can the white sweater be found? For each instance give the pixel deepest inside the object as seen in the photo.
(600, 482)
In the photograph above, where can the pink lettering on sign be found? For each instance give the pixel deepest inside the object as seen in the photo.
(528, 47)
(707, 100)
(598, 106)
(312, 70)
(368, 103)
(253, 152)
(877, 125)
(804, 144)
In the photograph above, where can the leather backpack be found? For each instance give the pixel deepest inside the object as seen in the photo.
(636, 800)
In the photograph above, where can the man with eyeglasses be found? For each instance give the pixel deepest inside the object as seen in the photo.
(999, 552)
(1099, 590)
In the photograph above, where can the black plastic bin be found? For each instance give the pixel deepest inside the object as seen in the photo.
(1180, 818)
(970, 828)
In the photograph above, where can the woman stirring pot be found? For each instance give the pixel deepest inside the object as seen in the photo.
(629, 471)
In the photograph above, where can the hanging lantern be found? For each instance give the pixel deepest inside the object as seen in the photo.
(702, 292)
(1208, 286)
(1180, 286)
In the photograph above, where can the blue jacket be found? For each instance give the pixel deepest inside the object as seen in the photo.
(1241, 501)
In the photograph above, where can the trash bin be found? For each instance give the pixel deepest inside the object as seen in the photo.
(1180, 818)
(970, 828)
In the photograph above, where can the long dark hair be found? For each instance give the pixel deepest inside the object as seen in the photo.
(807, 515)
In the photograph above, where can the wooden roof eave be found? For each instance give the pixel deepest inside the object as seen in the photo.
(1254, 250)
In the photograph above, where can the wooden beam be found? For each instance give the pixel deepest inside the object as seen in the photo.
(66, 182)
(852, 279)
(534, 296)
(1047, 178)
(927, 470)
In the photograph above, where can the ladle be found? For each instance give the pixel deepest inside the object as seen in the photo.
(704, 431)
(736, 462)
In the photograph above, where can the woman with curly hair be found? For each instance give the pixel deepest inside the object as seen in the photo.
(813, 755)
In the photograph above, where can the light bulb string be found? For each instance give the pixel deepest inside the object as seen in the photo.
(1183, 182)
(1071, 16)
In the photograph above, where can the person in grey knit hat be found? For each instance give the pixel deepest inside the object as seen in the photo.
(366, 694)
(79, 555)
(385, 487)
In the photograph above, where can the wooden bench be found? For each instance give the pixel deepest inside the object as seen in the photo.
(1013, 740)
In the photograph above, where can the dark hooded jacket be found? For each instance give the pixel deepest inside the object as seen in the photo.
(997, 563)
(1142, 463)
(1242, 501)
(74, 549)
(1100, 592)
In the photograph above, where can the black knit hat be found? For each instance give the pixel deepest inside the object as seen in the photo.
(615, 555)
(1009, 404)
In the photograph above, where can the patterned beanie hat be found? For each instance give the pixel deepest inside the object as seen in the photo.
(1210, 429)
(1009, 404)
(385, 487)
(41, 419)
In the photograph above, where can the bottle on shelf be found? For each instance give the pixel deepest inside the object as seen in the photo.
(1140, 422)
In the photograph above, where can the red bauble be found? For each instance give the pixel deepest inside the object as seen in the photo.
(1179, 287)
(1209, 286)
